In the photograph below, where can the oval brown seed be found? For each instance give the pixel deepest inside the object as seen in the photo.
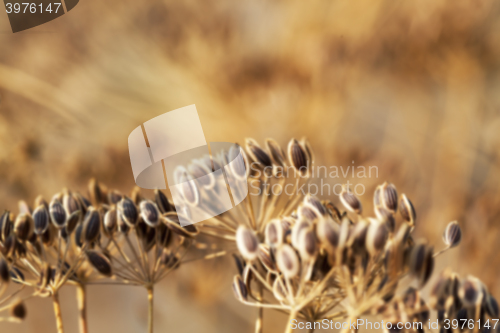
(376, 237)
(274, 233)
(258, 154)
(162, 202)
(110, 222)
(470, 292)
(452, 234)
(41, 219)
(247, 243)
(264, 254)
(23, 227)
(91, 225)
(114, 197)
(350, 201)
(277, 154)
(298, 157)
(150, 213)
(308, 245)
(389, 197)
(4, 271)
(73, 220)
(239, 288)
(71, 203)
(57, 214)
(128, 212)
(288, 261)
(100, 262)
(237, 162)
(316, 203)
(328, 233)
(279, 289)
(407, 210)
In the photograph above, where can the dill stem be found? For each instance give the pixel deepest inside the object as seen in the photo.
(81, 296)
(57, 312)
(259, 325)
(293, 314)
(150, 308)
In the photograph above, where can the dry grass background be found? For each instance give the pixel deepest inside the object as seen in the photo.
(410, 87)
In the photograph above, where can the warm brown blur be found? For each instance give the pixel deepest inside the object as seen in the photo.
(408, 86)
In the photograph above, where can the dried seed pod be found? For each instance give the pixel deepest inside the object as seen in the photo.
(73, 220)
(470, 292)
(18, 310)
(91, 225)
(164, 235)
(279, 289)
(57, 214)
(150, 213)
(114, 197)
(41, 219)
(265, 257)
(247, 242)
(328, 233)
(128, 212)
(316, 203)
(387, 217)
(307, 147)
(277, 154)
(239, 263)
(389, 197)
(23, 226)
(376, 236)
(188, 189)
(169, 259)
(452, 234)
(350, 201)
(202, 174)
(100, 262)
(308, 212)
(442, 290)
(240, 289)
(162, 202)
(421, 263)
(238, 162)
(357, 239)
(258, 154)
(491, 306)
(5, 225)
(135, 195)
(172, 221)
(71, 203)
(298, 157)
(376, 197)
(96, 192)
(332, 210)
(308, 244)
(297, 228)
(110, 221)
(407, 210)
(4, 271)
(288, 261)
(274, 233)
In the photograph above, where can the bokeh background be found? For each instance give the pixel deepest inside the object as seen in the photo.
(411, 87)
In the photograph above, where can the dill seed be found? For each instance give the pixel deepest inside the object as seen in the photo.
(128, 212)
(328, 233)
(308, 245)
(288, 261)
(73, 221)
(239, 288)
(23, 226)
(5, 225)
(470, 292)
(100, 262)
(258, 154)
(452, 234)
(274, 233)
(376, 237)
(70, 203)
(4, 271)
(491, 306)
(314, 202)
(238, 166)
(277, 154)
(171, 220)
(150, 213)
(298, 157)
(265, 258)
(41, 219)
(162, 202)
(91, 225)
(407, 210)
(389, 197)
(247, 243)
(278, 289)
(114, 197)
(350, 201)
(57, 214)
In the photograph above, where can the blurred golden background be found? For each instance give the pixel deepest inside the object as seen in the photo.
(408, 86)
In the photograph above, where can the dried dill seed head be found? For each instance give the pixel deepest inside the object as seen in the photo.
(247, 243)
(452, 234)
